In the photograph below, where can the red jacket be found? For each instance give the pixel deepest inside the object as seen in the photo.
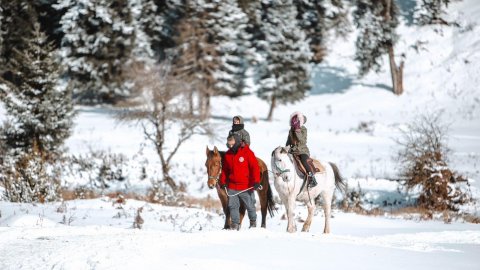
(241, 169)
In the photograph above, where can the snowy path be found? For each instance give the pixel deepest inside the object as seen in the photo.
(104, 248)
(32, 238)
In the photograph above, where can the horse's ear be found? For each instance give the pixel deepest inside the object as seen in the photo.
(287, 149)
(208, 151)
(215, 150)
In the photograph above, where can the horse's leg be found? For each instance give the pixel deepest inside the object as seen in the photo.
(262, 195)
(224, 200)
(290, 206)
(327, 208)
(311, 209)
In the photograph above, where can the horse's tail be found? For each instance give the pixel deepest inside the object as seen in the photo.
(339, 180)
(270, 202)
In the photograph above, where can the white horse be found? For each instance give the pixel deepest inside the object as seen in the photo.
(288, 181)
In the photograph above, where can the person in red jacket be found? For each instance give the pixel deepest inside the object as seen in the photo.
(240, 173)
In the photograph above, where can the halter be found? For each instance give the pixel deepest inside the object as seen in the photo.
(280, 171)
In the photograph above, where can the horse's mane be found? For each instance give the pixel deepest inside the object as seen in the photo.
(222, 153)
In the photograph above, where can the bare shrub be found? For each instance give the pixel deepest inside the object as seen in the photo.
(422, 159)
(67, 221)
(138, 222)
(160, 104)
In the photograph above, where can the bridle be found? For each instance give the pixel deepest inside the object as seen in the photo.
(279, 170)
(217, 177)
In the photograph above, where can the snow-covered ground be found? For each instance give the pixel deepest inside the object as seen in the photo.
(100, 236)
(442, 73)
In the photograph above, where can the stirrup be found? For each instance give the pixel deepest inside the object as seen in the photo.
(312, 182)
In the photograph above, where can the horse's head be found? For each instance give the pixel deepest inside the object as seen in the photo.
(214, 166)
(282, 161)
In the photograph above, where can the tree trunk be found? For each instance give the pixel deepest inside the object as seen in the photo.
(159, 141)
(190, 102)
(207, 106)
(396, 72)
(272, 106)
(204, 105)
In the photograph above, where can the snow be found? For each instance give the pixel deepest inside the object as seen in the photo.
(351, 121)
(187, 238)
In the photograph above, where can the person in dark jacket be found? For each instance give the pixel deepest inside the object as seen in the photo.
(238, 127)
(240, 173)
(297, 140)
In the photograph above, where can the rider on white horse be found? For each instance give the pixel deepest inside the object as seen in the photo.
(297, 140)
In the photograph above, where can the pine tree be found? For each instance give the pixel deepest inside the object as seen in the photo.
(257, 51)
(229, 32)
(196, 57)
(97, 43)
(39, 115)
(49, 18)
(148, 26)
(317, 18)
(312, 19)
(2, 61)
(430, 12)
(16, 23)
(376, 21)
(286, 73)
(2, 31)
(171, 12)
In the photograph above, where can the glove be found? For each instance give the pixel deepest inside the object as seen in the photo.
(257, 186)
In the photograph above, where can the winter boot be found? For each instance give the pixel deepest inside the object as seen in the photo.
(234, 227)
(312, 181)
(253, 223)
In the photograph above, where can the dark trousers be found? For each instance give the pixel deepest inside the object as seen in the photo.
(248, 199)
(303, 158)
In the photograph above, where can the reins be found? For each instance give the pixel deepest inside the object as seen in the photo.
(238, 193)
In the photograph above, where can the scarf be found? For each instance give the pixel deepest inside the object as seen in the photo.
(237, 127)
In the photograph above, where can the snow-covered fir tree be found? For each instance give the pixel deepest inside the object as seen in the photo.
(2, 32)
(431, 11)
(39, 120)
(229, 32)
(317, 18)
(375, 34)
(171, 12)
(16, 23)
(312, 19)
(286, 72)
(376, 21)
(196, 55)
(154, 23)
(97, 43)
(148, 26)
(255, 53)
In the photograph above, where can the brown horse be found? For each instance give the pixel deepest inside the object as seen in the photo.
(214, 170)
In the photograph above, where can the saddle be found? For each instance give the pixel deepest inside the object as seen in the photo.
(316, 166)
